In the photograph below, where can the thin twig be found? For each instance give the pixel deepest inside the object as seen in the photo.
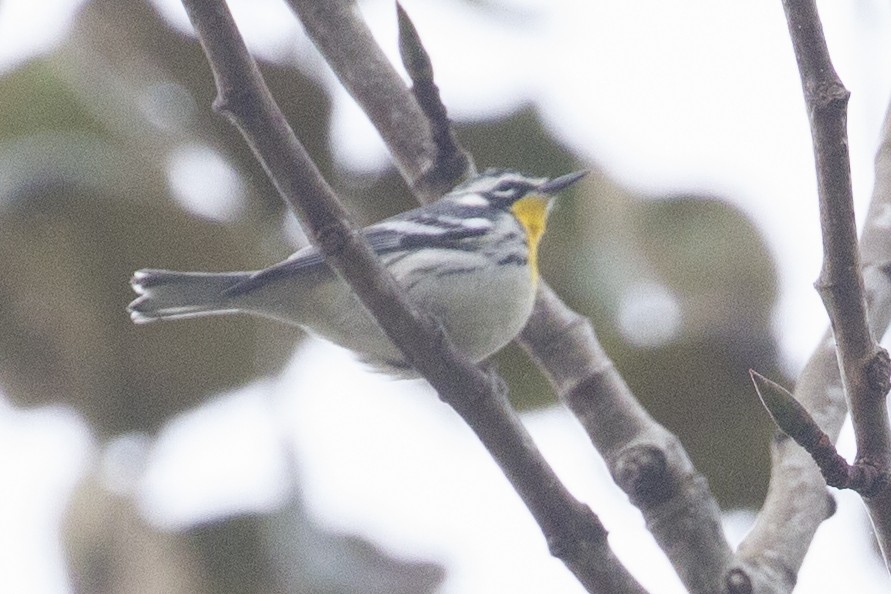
(794, 420)
(451, 159)
(338, 31)
(573, 532)
(797, 501)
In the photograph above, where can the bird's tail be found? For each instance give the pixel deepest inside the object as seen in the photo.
(164, 294)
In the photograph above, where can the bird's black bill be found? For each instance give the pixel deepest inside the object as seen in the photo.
(559, 184)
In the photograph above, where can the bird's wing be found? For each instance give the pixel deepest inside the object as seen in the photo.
(436, 225)
(418, 227)
(302, 261)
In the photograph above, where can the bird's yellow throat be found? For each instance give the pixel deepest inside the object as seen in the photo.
(532, 212)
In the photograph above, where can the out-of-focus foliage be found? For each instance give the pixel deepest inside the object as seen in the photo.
(94, 129)
(90, 136)
(680, 288)
(111, 548)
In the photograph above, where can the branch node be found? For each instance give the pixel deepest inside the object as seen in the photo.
(882, 483)
(867, 479)
(641, 471)
(831, 505)
(828, 94)
(231, 101)
(499, 386)
(737, 581)
(331, 239)
(878, 373)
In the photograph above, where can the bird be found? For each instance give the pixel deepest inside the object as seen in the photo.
(470, 259)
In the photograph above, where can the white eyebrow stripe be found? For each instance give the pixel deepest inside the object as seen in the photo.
(477, 223)
(407, 227)
(487, 183)
(468, 223)
(471, 200)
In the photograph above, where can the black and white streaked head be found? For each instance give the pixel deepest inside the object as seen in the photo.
(528, 199)
(504, 187)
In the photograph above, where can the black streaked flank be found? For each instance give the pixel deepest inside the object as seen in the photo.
(426, 272)
(444, 239)
(515, 259)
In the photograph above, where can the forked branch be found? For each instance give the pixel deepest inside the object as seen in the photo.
(795, 499)
(645, 458)
(573, 532)
(864, 364)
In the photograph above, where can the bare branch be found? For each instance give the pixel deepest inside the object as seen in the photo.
(451, 160)
(338, 31)
(684, 515)
(876, 251)
(796, 503)
(646, 460)
(573, 532)
(864, 364)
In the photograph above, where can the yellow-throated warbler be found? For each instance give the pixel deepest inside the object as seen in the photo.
(469, 259)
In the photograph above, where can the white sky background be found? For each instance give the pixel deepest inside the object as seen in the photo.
(620, 82)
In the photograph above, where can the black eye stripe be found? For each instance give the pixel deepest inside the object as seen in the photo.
(502, 187)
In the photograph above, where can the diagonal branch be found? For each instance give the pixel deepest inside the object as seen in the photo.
(646, 459)
(573, 532)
